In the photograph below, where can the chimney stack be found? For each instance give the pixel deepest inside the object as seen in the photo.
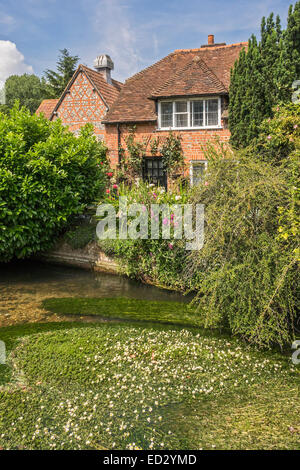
(211, 39)
(103, 64)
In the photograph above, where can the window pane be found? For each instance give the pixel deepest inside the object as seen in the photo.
(198, 172)
(181, 106)
(181, 120)
(166, 114)
(197, 110)
(212, 117)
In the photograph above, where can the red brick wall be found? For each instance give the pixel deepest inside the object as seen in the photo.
(81, 106)
(193, 141)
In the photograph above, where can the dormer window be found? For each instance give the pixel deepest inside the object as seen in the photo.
(198, 113)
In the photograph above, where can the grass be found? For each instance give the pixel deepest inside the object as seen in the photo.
(128, 386)
(122, 308)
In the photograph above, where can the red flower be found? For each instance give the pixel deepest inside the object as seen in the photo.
(115, 186)
(109, 174)
(107, 191)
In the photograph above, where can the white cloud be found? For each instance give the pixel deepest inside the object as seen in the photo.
(12, 61)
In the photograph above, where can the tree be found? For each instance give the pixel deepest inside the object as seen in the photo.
(56, 81)
(47, 175)
(263, 76)
(246, 276)
(27, 89)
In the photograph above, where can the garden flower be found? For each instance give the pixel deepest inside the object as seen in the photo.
(107, 191)
(165, 221)
(269, 137)
(295, 126)
(109, 174)
(171, 246)
(115, 186)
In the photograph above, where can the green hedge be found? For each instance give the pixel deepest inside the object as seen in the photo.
(47, 175)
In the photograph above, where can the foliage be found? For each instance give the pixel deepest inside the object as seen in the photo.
(172, 154)
(47, 175)
(263, 76)
(119, 386)
(155, 260)
(80, 236)
(169, 148)
(246, 276)
(56, 81)
(4, 109)
(279, 137)
(29, 90)
(279, 141)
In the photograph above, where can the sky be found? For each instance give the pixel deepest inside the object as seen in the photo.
(135, 33)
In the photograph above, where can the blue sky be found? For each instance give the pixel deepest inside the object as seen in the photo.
(135, 33)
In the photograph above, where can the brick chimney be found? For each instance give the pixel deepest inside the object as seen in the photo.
(211, 42)
(103, 64)
(211, 39)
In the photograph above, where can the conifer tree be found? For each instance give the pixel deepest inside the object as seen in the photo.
(263, 76)
(56, 81)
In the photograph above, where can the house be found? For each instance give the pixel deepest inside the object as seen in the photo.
(46, 108)
(87, 98)
(186, 92)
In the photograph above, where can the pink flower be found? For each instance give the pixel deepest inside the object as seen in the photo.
(144, 208)
(107, 191)
(269, 137)
(154, 195)
(172, 216)
(206, 183)
(115, 186)
(171, 246)
(296, 126)
(165, 221)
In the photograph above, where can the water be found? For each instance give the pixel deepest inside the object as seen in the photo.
(24, 285)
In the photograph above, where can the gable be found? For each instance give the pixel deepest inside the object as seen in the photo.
(81, 104)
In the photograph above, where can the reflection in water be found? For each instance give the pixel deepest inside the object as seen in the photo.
(24, 285)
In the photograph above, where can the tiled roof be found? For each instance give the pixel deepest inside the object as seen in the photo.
(108, 92)
(214, 65)
(46, 107)
(193, 79)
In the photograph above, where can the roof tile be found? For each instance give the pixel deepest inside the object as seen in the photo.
(46, 108)
(133, 103)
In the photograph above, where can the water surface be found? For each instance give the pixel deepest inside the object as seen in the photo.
(24, 285)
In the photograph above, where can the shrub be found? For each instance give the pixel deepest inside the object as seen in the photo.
(47, 175)
(246, 274)
(159, 261)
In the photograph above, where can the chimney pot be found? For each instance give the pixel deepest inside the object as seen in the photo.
(103, 64)
(211, 39)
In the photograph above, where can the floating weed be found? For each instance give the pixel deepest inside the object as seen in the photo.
(125, 387)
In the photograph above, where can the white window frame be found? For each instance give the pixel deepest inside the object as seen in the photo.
(189, 101)
(194, 163)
